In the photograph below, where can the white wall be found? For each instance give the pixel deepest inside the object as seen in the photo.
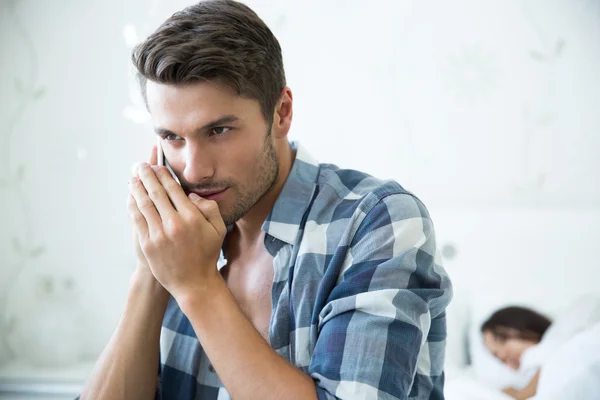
(472, 105)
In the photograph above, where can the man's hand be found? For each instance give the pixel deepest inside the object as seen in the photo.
(134, 214)
(180, 237)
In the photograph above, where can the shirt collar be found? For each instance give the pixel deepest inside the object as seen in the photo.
(285, 218)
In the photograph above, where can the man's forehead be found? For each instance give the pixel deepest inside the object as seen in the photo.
(181, 107)
(201, 92)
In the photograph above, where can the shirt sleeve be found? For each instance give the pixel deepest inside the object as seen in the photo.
(382, 331)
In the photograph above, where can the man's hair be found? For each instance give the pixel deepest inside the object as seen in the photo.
(517, 322)
(215, 40)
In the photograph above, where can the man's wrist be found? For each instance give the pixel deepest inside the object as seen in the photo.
(196, 296)
(143, 282)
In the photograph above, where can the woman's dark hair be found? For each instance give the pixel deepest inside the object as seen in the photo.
(517, 323)
(215, 40)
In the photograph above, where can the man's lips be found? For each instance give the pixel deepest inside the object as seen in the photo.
(209, 194)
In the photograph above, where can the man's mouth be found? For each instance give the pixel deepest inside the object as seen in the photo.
(210, 194)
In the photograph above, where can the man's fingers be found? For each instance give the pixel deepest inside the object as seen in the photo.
(137, 218)
(210, 210)
(156, 192)
(153, 156)
(145, 205)
(173, 189)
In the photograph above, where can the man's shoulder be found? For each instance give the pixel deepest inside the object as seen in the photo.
(351, 190)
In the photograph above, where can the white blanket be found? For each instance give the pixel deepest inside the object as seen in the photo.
(578, 317)
(573, 371)
(569, 355)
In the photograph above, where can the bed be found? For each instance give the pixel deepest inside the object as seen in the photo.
(543, 259)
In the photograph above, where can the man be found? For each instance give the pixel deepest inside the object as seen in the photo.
(265, 275)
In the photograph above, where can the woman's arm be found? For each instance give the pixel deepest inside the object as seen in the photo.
(527, 392)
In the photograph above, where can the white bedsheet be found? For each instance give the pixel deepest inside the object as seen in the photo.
(462, 384)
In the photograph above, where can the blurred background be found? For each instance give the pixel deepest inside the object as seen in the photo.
(489, 111)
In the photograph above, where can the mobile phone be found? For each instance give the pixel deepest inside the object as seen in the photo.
(161, 159)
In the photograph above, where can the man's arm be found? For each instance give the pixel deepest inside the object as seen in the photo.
(246, 364)
(128, 367)
(382, 329)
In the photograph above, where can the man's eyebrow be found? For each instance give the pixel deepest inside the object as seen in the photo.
(163, 131)
(227, 119)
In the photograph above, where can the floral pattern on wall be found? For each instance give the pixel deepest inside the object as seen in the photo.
(36, 305)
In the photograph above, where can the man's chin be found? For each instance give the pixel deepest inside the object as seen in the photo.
(230, 217)
(226, 215)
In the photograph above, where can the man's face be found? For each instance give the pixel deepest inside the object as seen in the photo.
(218, 144)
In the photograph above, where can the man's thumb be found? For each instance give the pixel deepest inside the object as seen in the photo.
(194, 197)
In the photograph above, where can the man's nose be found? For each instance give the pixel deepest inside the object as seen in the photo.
(198, 166)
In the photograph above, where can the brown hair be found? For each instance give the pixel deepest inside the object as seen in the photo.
(215, 40)
(517, 323)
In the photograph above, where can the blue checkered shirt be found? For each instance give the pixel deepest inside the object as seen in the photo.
(359, 293)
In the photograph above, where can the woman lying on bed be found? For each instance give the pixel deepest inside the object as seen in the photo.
(508, 333)
(563, 355)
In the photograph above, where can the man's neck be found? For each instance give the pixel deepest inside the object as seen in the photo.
(249, 226)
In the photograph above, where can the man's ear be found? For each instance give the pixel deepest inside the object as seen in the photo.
(282, 117)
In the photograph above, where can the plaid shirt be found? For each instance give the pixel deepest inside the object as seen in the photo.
(359, 293)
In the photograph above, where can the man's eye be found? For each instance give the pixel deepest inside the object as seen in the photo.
(220, 130)
(172, 136)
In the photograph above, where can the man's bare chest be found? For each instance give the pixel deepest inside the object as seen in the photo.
(250, 280)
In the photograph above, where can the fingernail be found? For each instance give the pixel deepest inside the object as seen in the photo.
(194, 197)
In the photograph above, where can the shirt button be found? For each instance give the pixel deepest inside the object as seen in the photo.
(211, 368)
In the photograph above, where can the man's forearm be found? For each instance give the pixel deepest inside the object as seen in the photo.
(246, 364)
(128, 366)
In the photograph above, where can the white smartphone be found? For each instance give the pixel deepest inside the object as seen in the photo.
(161, 160)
